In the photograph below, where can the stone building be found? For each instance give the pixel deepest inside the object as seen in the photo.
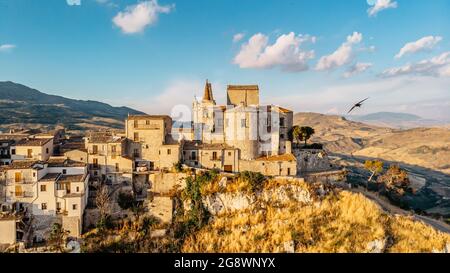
(107, 157)
(243, 132)
(52, 191)
(151, 143)
(32, 149)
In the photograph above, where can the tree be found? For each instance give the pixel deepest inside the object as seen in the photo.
(305, 133)
(102, 200)
(395, 179)
(294, 134)
(373, 166)
(57, 237)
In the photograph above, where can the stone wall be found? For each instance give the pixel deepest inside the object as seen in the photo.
(73, 225)
(270, 168)
(8, 231)
(163, 183)
(311, 160)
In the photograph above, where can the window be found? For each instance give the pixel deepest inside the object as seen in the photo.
(43, 188)
(94, 149)
(74, 206)
(81, 159)
(113, 149)
(78, 189)
(95, 162)
(13, 151)
(147, 122)
(282, 136)
(46, 150)
(282, 122)
(243, 121)
(136, 123)
(214, 156)
(135, 153)
(58, 205)
(34, 174)
(136, 137)
(44, 206)
(169, 151)
(29, 153)
(288, 171)
(229, 153)
(117, 167)
(64, 171)
(18, 177)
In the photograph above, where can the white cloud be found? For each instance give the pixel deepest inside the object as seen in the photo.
(108, 3)
(356, 69)
(381, 5)
(423, 44)
(285, 53)
(6, 47)
(136, 18)
(73, 2)
(237, 37)
(342, 56)
(405, 94)
(438, 66)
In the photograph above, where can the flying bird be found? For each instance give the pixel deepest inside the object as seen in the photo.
(359, 104)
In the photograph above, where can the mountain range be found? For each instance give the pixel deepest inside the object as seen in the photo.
(24, 107)
(396, 120)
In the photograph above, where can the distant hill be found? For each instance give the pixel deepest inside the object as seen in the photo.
(22, 106)
(396, 120)
(426, 147)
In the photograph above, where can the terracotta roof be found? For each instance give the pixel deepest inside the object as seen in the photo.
(33, 142)
(242, 87)
(191, 145)
(284, 157)
(23, 164)
(72, 178)
(64, 162)
(284, 110)
(103, 137)
(50, 177)
(208, 96)
(144, 117)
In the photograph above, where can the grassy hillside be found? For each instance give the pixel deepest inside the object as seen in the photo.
(21, 106)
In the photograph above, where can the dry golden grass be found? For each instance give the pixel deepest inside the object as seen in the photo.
(341, 222)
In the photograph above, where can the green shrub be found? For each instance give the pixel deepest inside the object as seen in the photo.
(125, 200)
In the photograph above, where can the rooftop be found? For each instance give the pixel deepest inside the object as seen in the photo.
(103, 137)
(284, 157)
(145, 117)
(33, 141)
(63, 162)
(23, 164)
(192, 145)
(243, 87)
(50, 177)
(72, 178)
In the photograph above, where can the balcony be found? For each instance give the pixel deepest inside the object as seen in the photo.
(146, 127)
(19, 181)
(23, 194)
(219, 158)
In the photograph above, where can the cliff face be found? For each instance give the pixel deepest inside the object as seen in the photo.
(295, 216)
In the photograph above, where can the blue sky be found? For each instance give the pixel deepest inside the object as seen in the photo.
(310, 55)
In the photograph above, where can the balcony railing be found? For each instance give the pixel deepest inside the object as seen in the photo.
(23, 194)
(147, 126)
(13, 181)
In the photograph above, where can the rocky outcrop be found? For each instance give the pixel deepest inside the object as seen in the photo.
(227, 202)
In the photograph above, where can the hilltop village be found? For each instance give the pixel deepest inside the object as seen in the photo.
(56, 177)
